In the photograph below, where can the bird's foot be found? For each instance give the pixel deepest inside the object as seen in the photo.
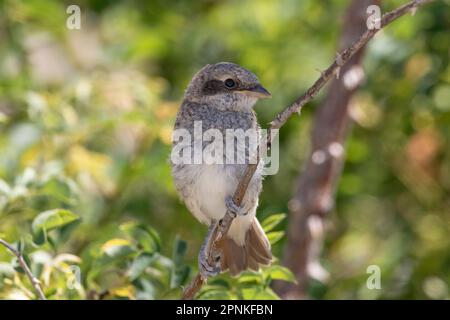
(234, 208)
(204, 267)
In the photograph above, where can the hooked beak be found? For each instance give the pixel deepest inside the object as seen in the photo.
(258, 91)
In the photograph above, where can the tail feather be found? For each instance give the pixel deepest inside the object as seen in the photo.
(258, 244)
(254, 253)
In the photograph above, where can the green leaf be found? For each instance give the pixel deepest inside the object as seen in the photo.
(146, 290)
(20, 246)
(272, 221)
(179, 276)
(214, 293)
(179, 273)
(258, 293)
(40, 237)
(145, 236)
(117, 248)
(275, 236)
(58, 189)
(50, 292)
(249, 277)
(164, 263)
(218, 282)
(276, 272)
(140, 264)
(52, 219)
(179, 251)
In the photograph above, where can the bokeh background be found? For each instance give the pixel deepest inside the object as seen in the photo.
(85, 130)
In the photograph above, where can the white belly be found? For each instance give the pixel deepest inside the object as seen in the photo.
(211, 188)
(213, 185)
(204, 189)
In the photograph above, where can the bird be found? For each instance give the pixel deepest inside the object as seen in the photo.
(220, 97)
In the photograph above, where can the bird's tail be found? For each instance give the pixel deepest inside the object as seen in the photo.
(254, 252)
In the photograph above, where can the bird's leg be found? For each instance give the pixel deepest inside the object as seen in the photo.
(205, 268)
(234, 208)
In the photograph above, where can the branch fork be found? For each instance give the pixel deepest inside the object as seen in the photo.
(34, 281)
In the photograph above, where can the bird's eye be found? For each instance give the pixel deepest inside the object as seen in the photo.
(229, 83)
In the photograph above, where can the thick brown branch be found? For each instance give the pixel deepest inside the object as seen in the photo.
(341, 59)
(314, 194)
(34, 281)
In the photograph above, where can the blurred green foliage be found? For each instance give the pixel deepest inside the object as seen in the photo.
(85, 128)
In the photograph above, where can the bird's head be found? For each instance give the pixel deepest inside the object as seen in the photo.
(227, 86)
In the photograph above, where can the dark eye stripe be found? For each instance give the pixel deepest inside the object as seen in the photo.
(213, 87)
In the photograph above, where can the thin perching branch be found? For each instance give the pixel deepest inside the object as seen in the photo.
(34, 281)
(333, 70)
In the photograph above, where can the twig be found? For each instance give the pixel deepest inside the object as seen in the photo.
(34, 281)
(341, 59)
